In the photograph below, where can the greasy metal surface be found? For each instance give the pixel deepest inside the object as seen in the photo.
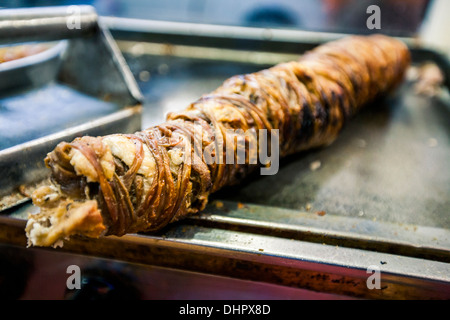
(287, 262)
(394, 238)
(87, 89)
(41, 274)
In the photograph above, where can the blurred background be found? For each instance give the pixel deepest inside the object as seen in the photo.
(399, 17)
(424, 19)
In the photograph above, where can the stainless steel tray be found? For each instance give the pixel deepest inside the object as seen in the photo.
(81, 85)
(379, 199)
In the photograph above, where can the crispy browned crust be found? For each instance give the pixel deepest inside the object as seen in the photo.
(309, 101)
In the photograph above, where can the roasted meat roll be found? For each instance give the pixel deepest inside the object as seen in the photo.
(127, 183)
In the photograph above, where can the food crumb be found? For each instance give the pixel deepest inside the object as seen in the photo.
(428, 79)
(261, 250)
(315, 165)
(308, 206)
(219, 204)
(240, 205)
(321, 213)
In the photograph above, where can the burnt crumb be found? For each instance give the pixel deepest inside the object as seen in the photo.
(241, 205)
(335, 281)
(383, 262)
